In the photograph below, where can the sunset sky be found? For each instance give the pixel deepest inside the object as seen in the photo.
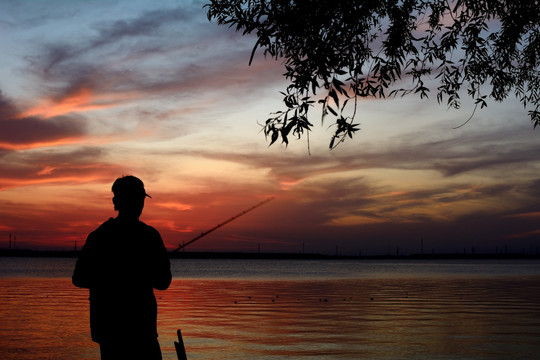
(93, 90)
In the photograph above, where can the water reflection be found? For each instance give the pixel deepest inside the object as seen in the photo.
(44, 319)
(349, 269)
(474, 317)
(353, 319)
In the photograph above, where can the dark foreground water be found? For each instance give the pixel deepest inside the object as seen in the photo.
(271, 309)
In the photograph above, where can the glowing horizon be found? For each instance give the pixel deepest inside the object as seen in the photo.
(90, 93)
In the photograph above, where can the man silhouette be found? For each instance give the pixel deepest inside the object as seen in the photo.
(121, 263)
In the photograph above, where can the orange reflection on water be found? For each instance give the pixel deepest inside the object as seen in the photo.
(461, 318)
(351, 319)
(44, 319)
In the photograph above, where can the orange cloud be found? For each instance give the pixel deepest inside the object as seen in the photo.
(47, 170)
(288, 184)
(387, 194)
(524, 234)
(529, 215)
(68, 104)
(170, 225)
(80, 100)
(355, 220)
(39, 144)
(74, 179)
(74, 174)
(175, 206)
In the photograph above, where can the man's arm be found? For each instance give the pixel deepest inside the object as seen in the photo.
(82, 275)
(161, 271)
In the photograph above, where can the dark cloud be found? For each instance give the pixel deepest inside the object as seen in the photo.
(382, 228)
(29, 15)
(153, 55)
(80, 164)
(481, 157)
(331, 198)
(449, 157)
(28, 131)
(453, 214)
(55, 57)
(147, 24)
(534, 188)
(25, 131)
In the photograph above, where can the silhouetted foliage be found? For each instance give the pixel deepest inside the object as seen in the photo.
(352, 49)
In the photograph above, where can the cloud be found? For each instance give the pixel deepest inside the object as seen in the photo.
(27, 132)
(156, 57)
(175, 206)
(164, 94)
(55, 165)
(110, 36)
(147, 24)
(342, 190)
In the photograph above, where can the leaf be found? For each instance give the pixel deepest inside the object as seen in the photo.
(275, 136)
(326, 41)
(332, 110)
(344, 104)
(284, 137)
(289, 126)
(332, 142)
(338, 84)
(332, 93)
(314, 85)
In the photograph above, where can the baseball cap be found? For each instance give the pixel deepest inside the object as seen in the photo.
(129, 186)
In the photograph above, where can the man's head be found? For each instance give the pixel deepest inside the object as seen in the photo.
(129, 195)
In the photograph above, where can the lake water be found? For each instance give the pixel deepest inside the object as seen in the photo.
(294, 309)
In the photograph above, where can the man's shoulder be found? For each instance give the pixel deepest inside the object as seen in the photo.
(106, 225)
(113, 228)
(149, 228)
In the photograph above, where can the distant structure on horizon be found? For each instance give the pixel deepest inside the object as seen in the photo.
(12, 244)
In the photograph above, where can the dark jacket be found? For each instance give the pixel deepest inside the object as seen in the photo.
(121, 263)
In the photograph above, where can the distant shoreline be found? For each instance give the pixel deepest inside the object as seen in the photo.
(277, 256)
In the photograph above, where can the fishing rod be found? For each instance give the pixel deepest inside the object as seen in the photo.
(181, 246)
